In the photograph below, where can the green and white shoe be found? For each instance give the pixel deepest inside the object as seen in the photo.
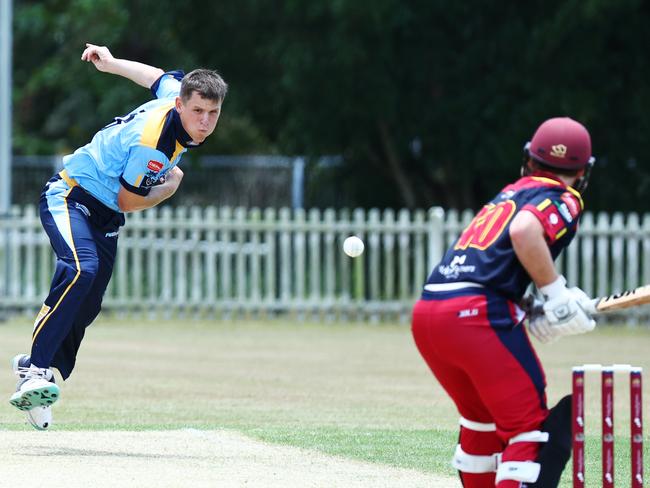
(35, 387)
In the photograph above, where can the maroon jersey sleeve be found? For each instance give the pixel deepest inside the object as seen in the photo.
(557, 211)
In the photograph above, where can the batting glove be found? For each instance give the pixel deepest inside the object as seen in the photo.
(541, 329)
(564, 310)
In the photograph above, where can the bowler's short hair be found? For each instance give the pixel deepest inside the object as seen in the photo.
(207, 83)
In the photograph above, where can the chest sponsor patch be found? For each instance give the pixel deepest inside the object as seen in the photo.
(155, 166)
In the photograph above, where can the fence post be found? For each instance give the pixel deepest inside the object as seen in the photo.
(602, 246)
(152, 276)
(315, 269)
(618, 248)
(374, 263)
(255, 282)
(436, 236)
(359, 262)
(645, 232)
(299, 255)
(389, 255)
(211, 267)
(225, 230)
(270, 268)
(286, 263)
(197, 261)
(167, 222)
(14, 254)
(404, 242)
(343, 301)
(632, 251)
(181, 263)
(329, 218)
(31, 236)
(632, 261)
(240, 260)
(135, 293)
(419, 271)
(587, 253)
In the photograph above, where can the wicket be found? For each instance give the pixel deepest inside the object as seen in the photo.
(607, 406)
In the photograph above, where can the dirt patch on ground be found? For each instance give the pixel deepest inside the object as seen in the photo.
(185, 458)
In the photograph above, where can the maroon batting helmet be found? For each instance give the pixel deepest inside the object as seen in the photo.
(561, 143)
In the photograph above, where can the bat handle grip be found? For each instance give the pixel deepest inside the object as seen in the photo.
(589, 306)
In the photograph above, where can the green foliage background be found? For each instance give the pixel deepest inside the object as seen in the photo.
(428, 101)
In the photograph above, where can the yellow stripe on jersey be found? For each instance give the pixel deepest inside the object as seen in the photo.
(560, 234)
(546, 180)
(154, 125)
(572, 190)
(137, 182)
(576, 194)
(177, 150)
(71, 182)
(544, 204)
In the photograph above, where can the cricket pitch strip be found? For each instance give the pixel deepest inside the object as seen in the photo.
(185, 458)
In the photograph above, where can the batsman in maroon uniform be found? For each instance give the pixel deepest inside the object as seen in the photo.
(469, 327)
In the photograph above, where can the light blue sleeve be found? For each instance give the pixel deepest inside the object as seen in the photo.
(144, 168)
(168, 85)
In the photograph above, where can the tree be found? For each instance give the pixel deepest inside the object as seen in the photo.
(428, 102)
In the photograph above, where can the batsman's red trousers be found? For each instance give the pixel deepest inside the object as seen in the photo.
(476, 346)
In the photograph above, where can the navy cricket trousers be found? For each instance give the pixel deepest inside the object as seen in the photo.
(83, 233)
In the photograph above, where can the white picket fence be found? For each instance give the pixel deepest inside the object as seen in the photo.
(225, 262)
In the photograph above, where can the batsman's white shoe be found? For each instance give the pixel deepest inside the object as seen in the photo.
(35, 388)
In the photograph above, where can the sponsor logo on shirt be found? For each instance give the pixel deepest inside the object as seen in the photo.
(152, 179)
(571, 203)
(564, 211)
(456, 267)
(155, 166)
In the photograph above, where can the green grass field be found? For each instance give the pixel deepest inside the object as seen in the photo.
(354, 390)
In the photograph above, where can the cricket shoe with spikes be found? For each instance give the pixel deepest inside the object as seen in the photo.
(35, 391)
(40, 417)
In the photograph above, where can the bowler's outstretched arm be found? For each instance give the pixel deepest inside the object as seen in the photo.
(140, 73)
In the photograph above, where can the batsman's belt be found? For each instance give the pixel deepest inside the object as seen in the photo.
(459, 285)
(71, 182)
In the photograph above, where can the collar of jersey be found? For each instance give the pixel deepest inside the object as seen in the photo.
(547, 175)
(550, 178)
(181, 134)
